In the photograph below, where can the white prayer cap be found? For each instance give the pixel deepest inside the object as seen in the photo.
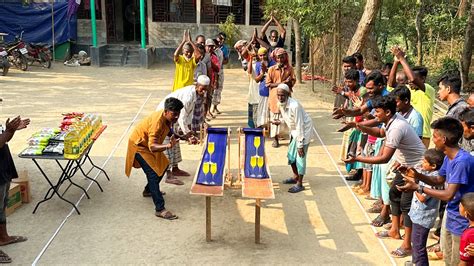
(284, 87)
(203, 80)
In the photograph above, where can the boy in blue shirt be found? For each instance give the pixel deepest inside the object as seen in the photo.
(458, 172)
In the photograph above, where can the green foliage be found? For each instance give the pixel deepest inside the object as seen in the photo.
(230, 29)
(449, 65)
(315, 17)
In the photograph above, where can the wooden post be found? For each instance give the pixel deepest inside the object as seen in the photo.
(201, 134)
(257, 221)
(239, 132)
(208, 219)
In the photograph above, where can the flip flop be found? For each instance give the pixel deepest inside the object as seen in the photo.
(14, 239)
(296, 189)
(289, 180)
(4, 258)
(379, 221)
(400, 253)
(382, 234)
(375, 209)
(165, 214)
(174, 181)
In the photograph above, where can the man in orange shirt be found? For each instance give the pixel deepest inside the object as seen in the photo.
(145, 150)
(282, 72)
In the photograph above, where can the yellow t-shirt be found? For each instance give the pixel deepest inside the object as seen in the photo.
(423, 102)
(184, 73)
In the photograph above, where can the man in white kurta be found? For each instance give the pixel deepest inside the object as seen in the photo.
(301, 131)
(187, 96)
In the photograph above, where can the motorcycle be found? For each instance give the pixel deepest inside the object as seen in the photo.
(17, 53)
(39, 53)
(4, 64)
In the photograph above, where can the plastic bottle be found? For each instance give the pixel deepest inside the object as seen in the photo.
(72, 144)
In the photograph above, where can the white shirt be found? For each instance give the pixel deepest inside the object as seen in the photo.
(254, 95)
(187, 96)
(299, 122)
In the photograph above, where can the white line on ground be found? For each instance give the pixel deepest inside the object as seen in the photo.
(355, 197)
(38, 257)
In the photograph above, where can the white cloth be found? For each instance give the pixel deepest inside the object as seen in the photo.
(187, 96)
(263, 115)
(254, 95)
(298, 121)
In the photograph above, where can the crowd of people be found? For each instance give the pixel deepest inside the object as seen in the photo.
(388, 130)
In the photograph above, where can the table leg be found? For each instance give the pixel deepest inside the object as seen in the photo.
(95, 166)
(208, 218)
(257, 221)
(91, 179)
(55, 187)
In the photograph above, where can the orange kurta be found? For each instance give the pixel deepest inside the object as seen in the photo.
(152, 129)
(277, 75)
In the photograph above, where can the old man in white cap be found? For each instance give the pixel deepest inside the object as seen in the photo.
(181, 129)
(301, 131)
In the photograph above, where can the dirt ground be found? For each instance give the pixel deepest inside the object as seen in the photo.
(325, 224)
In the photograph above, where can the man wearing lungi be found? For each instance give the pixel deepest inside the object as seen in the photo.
(302, 132)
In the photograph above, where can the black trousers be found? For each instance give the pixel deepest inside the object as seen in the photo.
(400, 202)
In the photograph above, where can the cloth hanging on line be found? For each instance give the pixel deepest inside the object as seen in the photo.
(222, 2)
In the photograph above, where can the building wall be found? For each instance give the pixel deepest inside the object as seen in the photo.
(84, 31)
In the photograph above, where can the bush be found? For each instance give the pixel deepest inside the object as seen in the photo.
(230, 29)
(449, 65)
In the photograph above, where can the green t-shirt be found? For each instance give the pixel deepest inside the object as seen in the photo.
(423, 102)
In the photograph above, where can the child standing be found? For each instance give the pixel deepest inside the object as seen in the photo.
(466, 209)
(424, 209)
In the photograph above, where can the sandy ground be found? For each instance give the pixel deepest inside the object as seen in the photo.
(325, 224)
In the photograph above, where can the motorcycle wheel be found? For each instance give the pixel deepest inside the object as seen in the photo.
(23, 62)
(45, 60)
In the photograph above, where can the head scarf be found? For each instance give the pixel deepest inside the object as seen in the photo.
(262, 50)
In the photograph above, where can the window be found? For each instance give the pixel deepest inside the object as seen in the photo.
(256, 12)
(212, 14)
(174, 11)
(84, 11)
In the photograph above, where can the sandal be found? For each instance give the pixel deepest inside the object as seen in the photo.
(379, 221)
(289, 180)
(165, 214)
(296, 189)
(14, 239)
(387, 226)
(4, 258)
(275, 144)
(375, 209)
(174, 181)
(400, 253)
(433, 248)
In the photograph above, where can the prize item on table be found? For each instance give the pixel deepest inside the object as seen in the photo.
(54, 148)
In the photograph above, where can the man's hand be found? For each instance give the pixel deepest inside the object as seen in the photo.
(410, 185)
(188, 37)
(173, 141)
(301, 152)
(276, 122)
(337, 89)
(346, 126)
(350, 159)
(470, 249)
(409, 172)
(193, 140)
(12, 125)
(184, 37)
(337, 112)
(23, 123)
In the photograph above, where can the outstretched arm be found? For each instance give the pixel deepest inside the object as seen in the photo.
(263, 31)
(406, 68)
(393, 74)
(281, 29)
(197, 52)
(177, 52)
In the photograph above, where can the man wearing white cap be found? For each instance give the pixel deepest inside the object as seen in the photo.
(302, 132)
(187, 96)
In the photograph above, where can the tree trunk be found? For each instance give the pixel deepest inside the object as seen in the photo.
(462, 8)
(296, 25)
(365, 26)
(418, 25)
(335, 64)
(467, 49)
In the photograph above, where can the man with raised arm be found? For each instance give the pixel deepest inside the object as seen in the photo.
(185, 57)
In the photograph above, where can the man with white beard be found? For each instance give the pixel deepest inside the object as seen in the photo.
(275, 40)
(301, 131)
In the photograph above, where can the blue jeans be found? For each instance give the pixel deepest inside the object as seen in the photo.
(419, 235)
(153, 183)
